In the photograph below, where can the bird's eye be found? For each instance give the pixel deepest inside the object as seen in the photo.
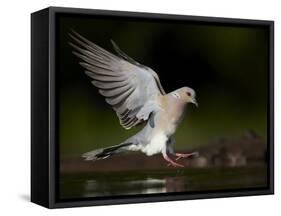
(188, 93)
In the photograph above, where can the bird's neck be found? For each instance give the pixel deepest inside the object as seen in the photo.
(175, 107)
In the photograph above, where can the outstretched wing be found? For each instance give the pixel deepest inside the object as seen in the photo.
(129, 87)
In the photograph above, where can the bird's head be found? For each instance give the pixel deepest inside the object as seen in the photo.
(186, 94)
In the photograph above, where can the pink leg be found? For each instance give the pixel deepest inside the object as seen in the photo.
(181, 155)
(171, 162)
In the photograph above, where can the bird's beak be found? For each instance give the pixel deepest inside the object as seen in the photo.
(194, 102)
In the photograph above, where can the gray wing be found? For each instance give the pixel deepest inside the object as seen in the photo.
(129, 87)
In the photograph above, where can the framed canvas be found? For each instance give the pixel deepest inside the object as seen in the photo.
(139, 107)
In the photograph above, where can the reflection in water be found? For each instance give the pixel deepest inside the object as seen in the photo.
(161, 181)
(148, 185)
(94, 188)
(176, 184)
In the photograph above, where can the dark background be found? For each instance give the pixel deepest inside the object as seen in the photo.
(227, 66)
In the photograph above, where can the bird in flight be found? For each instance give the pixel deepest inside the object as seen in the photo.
(136, 95)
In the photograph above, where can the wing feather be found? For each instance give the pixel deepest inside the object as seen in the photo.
(102, 78)
(129, 87)
(116, 91)
(108, 86)
(116, 101)
(99, 70)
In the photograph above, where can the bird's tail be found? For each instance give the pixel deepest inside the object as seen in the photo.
(103, 153)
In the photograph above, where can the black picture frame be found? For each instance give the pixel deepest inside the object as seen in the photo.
(44, 160)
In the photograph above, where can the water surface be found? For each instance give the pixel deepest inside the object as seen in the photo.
(160, 181)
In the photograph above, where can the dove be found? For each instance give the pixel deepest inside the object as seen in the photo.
(136, 95)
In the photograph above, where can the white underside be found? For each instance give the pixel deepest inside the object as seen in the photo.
(156, 145)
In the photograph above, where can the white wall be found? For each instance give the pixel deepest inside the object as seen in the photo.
(15, 106)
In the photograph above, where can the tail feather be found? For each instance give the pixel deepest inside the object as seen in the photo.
(103, 153)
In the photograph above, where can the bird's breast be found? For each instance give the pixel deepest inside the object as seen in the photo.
(168, 122)
(156, 144)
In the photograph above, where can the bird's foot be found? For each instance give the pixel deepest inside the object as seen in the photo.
(181, 155)
(172, 163)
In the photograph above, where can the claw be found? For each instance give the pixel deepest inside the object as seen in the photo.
(181, 155)
(171, 162)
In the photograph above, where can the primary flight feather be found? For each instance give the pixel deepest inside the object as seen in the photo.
(135, 93)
